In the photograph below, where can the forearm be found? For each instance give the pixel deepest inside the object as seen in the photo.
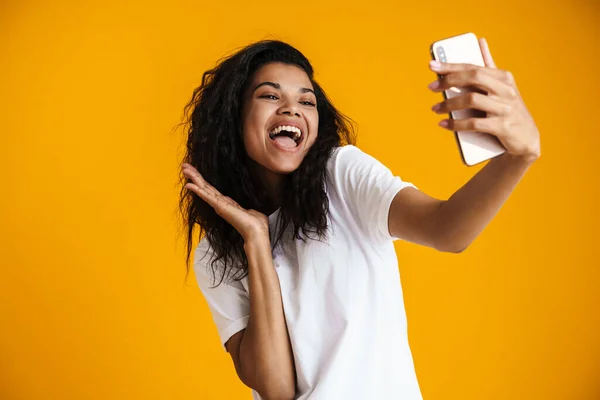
(265, 350)
(460, 219)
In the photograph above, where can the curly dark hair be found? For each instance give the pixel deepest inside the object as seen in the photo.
(215, 148)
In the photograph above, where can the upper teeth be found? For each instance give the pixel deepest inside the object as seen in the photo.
(288, 128)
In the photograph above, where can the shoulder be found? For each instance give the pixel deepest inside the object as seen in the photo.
(203, 256)
(211, 274)
(344, 157)
(342, 153)
(203, 252)
(350, 162)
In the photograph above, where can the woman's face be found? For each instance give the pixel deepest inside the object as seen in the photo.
(279, 95)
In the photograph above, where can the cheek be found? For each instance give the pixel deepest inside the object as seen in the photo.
(254, 141)
(314, 124)
(254, 122)
(252, 128)
(251, 140)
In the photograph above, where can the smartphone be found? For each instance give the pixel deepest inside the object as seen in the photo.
(475, 147)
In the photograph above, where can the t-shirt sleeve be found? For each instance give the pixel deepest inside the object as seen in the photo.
(367, 188)
(229, 303)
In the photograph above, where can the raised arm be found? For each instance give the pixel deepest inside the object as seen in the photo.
(261, 352)
(264, 355)
(453, 224)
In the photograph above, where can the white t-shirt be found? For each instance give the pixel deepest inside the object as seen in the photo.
(342, 297)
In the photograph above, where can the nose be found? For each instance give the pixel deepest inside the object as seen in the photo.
(290, 112)
(289, 108)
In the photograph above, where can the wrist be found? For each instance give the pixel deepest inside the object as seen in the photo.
(257, 241)
(523, 159)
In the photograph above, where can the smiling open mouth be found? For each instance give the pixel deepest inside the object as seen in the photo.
(287, 136)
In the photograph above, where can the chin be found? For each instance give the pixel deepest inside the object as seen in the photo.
(283, 168)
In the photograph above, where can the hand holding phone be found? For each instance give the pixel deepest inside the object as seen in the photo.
(475, 147)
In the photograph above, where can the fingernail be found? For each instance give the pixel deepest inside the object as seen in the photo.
(443, 123)
(435, 64)
(436, 107)
(434, 85)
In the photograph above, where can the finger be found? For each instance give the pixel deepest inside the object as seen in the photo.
(486, 125)
(213, 198)
(477, 77)
(208, 192)
(189, 170)
(201, 187)
(472, 100)
(447, 68)
(202, 193)
(435, 86)
(229, 201)
(485, 52)
(195, 176)
(199, 183)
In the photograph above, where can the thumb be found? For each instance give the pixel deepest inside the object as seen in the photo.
(485, 51)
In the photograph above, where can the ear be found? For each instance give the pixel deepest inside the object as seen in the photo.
(485, 51)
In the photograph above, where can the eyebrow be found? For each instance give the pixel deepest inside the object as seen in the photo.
(278, 86)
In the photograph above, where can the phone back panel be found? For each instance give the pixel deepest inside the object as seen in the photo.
(475, 147)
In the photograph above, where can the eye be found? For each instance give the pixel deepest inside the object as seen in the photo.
(273, 97)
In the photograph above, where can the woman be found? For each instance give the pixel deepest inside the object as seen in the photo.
(297, 263)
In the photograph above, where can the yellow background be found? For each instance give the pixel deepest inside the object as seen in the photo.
(93, 302)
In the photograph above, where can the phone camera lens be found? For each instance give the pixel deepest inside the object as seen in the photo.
(441, 54)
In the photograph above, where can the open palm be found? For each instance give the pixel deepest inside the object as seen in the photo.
(249, 223)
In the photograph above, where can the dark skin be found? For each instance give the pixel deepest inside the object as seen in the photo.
(507, 116)
(287, 97)
(449, 225)
(452, 225)
(417, 217)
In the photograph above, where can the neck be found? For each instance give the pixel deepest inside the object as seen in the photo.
(272, 182)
